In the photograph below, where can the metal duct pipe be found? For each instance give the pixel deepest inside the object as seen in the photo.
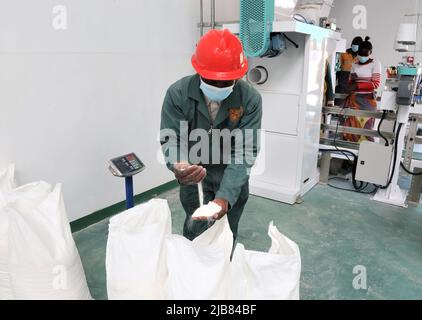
(258, 75)
(201, 17)
(212, 14)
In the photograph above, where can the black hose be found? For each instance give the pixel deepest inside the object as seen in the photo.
(291, 41)
(338, 151)
(410, 172)
(352, 190)
(384, 112)
(355, 183)
(300, 16)
(396, 143)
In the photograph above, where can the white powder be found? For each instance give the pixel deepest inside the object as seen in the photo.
(207, 210)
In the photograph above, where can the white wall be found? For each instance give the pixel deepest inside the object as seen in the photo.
(383, 19)
(225, 10)
(72, 99)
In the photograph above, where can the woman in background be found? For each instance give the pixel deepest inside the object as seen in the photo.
(364, 81)
(347, 60)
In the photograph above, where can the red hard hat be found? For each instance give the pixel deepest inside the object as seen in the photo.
(219, 56)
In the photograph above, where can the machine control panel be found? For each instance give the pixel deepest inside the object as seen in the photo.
(126, 166)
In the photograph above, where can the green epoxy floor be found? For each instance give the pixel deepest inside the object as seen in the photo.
(335, 230)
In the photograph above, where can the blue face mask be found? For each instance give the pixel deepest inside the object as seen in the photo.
(363, 59)
(214, 93)
(355, 48)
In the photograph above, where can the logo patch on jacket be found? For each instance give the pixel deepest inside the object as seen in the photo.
(235, 114)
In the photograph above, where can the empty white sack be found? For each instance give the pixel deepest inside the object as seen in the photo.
(144, 261)
(266, 276)
(7, 183)
(198, 269)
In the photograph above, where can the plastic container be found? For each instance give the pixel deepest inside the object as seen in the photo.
(314, 10)
(284, 9)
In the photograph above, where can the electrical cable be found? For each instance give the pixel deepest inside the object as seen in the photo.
(352, 190)
(384, 113)
(300, 16)
(339, 151)
(291, 41)
(410, 172)
(362, 191)
(337, 125)
(355, 159)
(396, 143)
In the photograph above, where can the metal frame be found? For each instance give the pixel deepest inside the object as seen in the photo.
(412, 139)
(212, 14)
(343, 129)
(357, 131)
(339, 143)
(357, 113)
(201, 17)
(202, 25)
(414, 194)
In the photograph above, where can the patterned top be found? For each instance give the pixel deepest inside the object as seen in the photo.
(347, 59)
(368, 76)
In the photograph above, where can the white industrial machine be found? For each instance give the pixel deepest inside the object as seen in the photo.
(378, 163)
(287, 65)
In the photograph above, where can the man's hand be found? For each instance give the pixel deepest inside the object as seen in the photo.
(189, 174)
(353, 76)
(224, 205)
(224, 208)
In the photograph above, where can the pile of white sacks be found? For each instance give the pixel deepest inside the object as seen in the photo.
(39, 259)
(38, 256)
(145, 261)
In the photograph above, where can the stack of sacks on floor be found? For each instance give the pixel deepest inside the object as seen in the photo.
(7, 184)
(145, 261)
(38, 256)
(135, 259)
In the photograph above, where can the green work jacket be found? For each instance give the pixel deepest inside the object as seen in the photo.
(242, 110)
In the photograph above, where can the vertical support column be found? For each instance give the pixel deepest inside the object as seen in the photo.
(393, 194)
(410, 141)
(325, 168)
(212, 14)
(415, 188)
(201, 17)
(130, 202)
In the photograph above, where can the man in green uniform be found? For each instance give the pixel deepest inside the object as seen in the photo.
(209, 104)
